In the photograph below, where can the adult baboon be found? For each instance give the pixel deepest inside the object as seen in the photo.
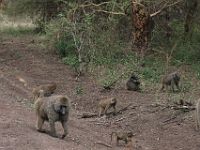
(170, 80)
(52, 109)
(133, 84)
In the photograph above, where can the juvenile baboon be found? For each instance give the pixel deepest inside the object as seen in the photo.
(197, 115)
(123, 136)
(106, 104)
(48, 89)
(133, 84)
(52, 109)
(170, 80)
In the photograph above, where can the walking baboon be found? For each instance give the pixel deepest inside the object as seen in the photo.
(106, 104)
(170, 80)
(197, 115)
(48, 89)
(133, 84)
(52, 109)
(123, 136)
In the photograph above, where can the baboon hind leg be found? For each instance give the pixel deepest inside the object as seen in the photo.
(115, 111)
(52, 128)
(39, 124)
(64, 125)
(105, 110)
(100, 111)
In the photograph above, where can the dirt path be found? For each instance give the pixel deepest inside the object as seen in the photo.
(20, 58)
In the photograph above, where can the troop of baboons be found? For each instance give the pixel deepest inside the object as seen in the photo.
(53, 108)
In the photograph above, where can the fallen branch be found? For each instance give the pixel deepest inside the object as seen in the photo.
(184, 108)
(88, 115)
(175, 107)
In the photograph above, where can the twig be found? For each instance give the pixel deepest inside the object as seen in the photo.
(104, 144)
(93, 4)
(126, 107)
(164, 7)
(88, 115)
(169, 119)
(108, 87)
(110, 12)
(120, 119)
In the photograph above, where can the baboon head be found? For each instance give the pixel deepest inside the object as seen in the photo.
(135, 79)
(176, 77)
(62, 106)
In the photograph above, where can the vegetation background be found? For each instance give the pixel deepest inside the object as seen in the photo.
(111, 39)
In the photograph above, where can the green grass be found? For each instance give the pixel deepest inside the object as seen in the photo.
(17, 31)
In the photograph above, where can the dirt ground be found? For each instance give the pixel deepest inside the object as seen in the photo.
(155, 127)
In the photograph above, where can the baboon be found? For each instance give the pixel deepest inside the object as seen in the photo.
(133, 84)
(48, 89)
(171, 80)
(123, 136)
(52, 109)
(197, 115)
(106, 104)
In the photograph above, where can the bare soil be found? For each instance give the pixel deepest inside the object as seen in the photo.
(152, 126)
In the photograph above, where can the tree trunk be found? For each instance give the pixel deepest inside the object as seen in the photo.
(191, 7)
(143, 25)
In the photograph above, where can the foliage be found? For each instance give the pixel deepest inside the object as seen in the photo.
(99, 33)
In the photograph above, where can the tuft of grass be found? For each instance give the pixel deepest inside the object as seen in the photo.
(79, 90)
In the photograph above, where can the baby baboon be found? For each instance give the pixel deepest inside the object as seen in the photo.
(106, 104)
(171, 80)
(48, 89)
(52, 109)
(197, 115)
(123, 136)
(133, 84)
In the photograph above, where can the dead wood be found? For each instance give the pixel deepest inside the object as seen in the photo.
(91, 115)
(104, 144)
(88, 115)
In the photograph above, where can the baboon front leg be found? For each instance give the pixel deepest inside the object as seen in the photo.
(52, 128)
(39, 124)
(100, 111)
(162, 88)
(115, 111)
(177, 86)
(64, 125)
(105, 110)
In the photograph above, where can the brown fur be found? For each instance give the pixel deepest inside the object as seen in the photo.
(106, 104)
(170, 80)
(52, 109)
(48, 89)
